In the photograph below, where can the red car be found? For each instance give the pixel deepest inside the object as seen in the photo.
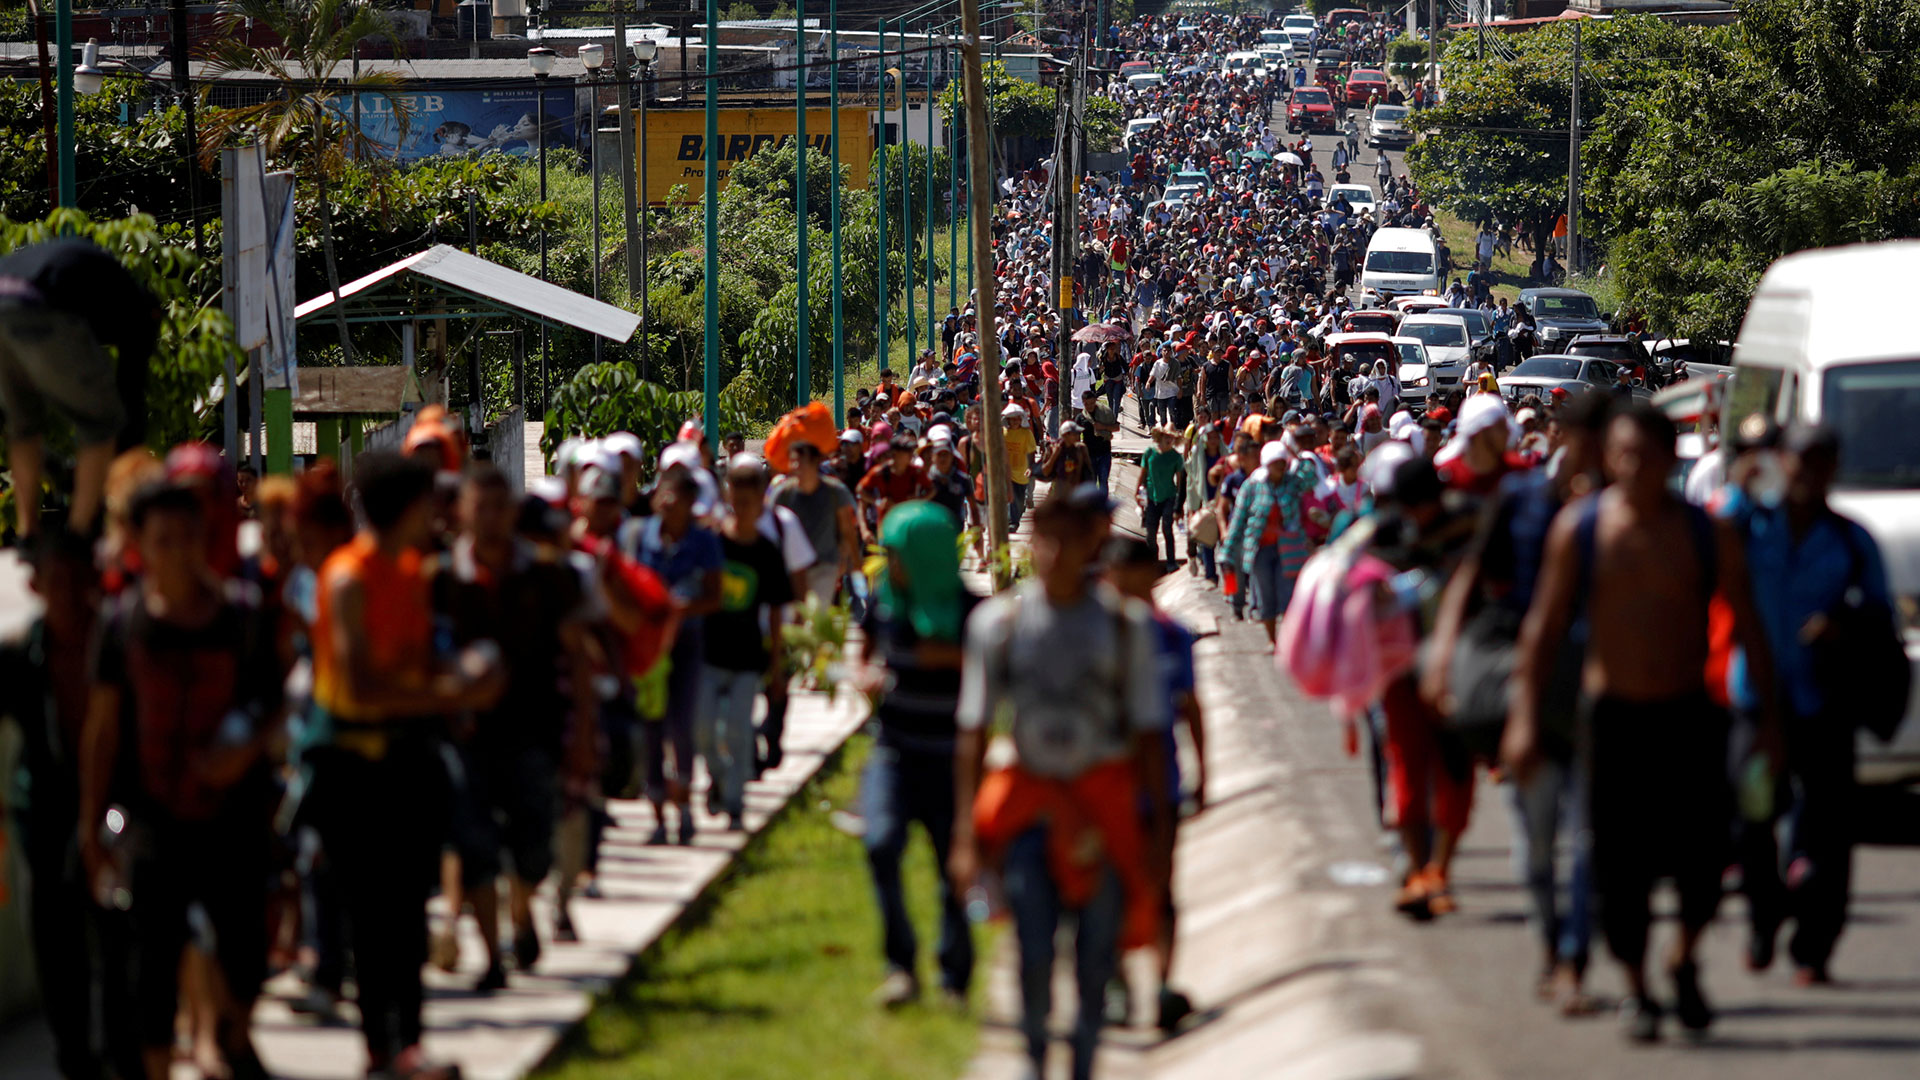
(1311, 109)
(1364, 83)
(1370, 321)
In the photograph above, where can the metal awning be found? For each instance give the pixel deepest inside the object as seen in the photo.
(483, 289)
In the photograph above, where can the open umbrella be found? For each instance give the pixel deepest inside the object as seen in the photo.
(1102, 333)
(1290, 158)
(1259, 155)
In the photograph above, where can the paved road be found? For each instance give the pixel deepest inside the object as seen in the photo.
(1301, 969)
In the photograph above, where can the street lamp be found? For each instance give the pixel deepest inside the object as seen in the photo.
(593, 57)
(89, 78)
(644, 50)
(540, 59)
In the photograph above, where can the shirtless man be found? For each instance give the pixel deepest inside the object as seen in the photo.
(1638, 564)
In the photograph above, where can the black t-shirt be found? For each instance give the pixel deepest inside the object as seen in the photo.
(752, 576)
(952, 490)
(184, 691)
(922, 701)
(1216, 374)
(522, 612)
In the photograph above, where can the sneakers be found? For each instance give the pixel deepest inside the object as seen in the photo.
(899, 989)
(318, 1002)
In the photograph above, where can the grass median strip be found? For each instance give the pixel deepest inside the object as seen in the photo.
(776, 980)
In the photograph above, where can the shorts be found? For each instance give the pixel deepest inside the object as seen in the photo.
(506, 801)
(50, 358)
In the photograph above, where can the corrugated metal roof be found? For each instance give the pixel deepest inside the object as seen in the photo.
(497, 285)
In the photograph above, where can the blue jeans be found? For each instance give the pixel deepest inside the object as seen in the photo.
(1272, 589)
(724, 732)
(1036, 916)
(1103, 469)
(1207, 566)
(1553, 799)
(903, 785)
(1016, 503)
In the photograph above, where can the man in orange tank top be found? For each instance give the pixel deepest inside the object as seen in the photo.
(378, 788)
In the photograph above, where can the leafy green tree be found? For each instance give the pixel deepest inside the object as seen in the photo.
(311, 75)
(1797, 127)
(601, 399)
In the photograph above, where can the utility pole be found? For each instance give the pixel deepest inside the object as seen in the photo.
(803, 333)
(623, 94)
(1433, 43)
(980, 192)
(1573, 162)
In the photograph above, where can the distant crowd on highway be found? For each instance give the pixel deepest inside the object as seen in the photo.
(267, 719)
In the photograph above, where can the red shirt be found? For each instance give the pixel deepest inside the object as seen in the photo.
(1459, 476)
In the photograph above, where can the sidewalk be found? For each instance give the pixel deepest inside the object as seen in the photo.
(508, 1034)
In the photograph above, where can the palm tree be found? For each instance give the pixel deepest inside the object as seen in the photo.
(305, 119)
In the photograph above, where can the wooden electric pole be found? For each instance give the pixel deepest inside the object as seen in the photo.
(980, 196)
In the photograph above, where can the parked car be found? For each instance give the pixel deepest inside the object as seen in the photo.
(1415, 380)
(1416, 305)
(1827, 340)
(1542, 374)
(1387, 126)
(1449, 348)
(1614, 347)
(1364, 84)
(1479, 326)
(1359, 196)
(1560, 315)
(1371, 321)
(1310, 108)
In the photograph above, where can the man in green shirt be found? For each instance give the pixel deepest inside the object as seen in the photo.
(1157, 491)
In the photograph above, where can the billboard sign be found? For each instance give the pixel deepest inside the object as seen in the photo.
(674, 153)
(465, 123)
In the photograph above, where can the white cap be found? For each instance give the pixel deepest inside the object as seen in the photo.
(624, 443)
(1479, 413)
(1271, 453)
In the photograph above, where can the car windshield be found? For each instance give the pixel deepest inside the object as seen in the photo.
(1365, 353)
(1311, 97)
(1411, 353)
(1390, 112)
(1400, 262)
(1355, 194)
(1871, 406)
(1445, 335)
(1547, 367)
(1564, 307)
(1611, 350)
(1477, 322)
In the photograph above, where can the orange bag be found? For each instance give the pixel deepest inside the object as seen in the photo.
(811, 423)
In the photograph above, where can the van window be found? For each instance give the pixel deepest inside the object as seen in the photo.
(1755, 391)
(1871, 408)
(1400, 262)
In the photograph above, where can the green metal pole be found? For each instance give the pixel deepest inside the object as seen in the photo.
(953, 206)
(802, 369)
(712, 210)
(906, 197)
(933, 297)
(880, 198)
(63, 41)
(833, 187)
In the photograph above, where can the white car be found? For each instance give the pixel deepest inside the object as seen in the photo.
(1359, 196)
(1275, 56)
(1299, 20)
(1414, 371)
(1449, 346)
(1140, 126)
(1181, 192)
(1387, 126)
(1145, 81)
(1244, 63)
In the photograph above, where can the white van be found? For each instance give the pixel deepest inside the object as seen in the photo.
(1827, 338)
(1400, 262)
